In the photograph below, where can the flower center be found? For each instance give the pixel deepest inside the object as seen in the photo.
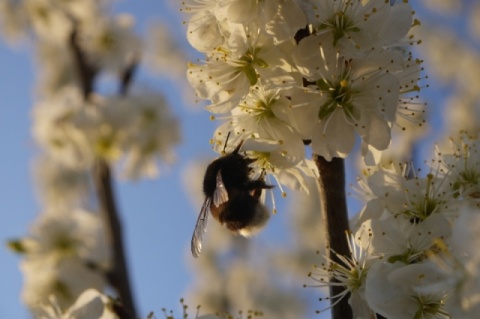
(427, 308)
(340, 24)
(422, 209)
(65, 243)
(248, 61)
(264, 110)
(61, 288)
(469, 177)
(340, 95)
(357, 278)
(409, 256)
(107, 42)
(263, 160)
(426, 205)
(149, 115)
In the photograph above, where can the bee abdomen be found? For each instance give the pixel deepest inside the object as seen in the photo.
(244, 215)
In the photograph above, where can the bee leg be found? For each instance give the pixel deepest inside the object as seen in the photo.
(255, 187)
(257, 184)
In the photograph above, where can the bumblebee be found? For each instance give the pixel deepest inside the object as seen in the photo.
(231, 197)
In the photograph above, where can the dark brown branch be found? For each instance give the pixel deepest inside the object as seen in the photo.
(119, 273)
(334, 210)
(85, 72)
(127, 76)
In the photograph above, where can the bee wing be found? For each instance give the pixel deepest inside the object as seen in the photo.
(200, 228)
(220, 195)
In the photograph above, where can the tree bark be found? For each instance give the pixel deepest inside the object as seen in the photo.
(335, 215)
(118, 275)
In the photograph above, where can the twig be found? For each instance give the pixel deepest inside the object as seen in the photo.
(127, 75)
(334, 211)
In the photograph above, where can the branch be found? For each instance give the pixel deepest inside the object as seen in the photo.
(118, 275)
(127, 75)
(85, 72)
(335, 215)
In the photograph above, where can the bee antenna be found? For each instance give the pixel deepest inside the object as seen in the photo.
(225, 145)
(263, 173)
(237, 149)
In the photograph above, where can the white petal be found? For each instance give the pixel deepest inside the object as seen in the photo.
(88, 305)
(203, 31)
(286, 19)
(374, 130)
(389, 300)
(397, 24)
(333, 137)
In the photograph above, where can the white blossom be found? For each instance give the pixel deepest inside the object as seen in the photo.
(54, 130)
(357, 26)
(349, 96)
(152, 133)
(230, 71)
(461, 166)
(390, 291)
(134, 130)
(398, 239)
(90, 304)
(350, 274)
(204, 30)
(48, 21)
(61, 234)
(65, 280)
(110, 43)
(56, 68)
(414, 198)
(279, 18)
(265, 114)
(13, 20)
(458, 262)
(60, 185)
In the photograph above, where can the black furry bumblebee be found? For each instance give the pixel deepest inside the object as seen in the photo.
(231, 197)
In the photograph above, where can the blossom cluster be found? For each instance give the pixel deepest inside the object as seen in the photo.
(134, 131)
(286, 73)
(82, 50)
(77, 42)
(414, 243)
(65, 254)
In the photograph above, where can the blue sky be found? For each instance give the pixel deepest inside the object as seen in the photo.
(17, 197)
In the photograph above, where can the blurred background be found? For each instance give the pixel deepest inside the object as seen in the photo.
(266, 272)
